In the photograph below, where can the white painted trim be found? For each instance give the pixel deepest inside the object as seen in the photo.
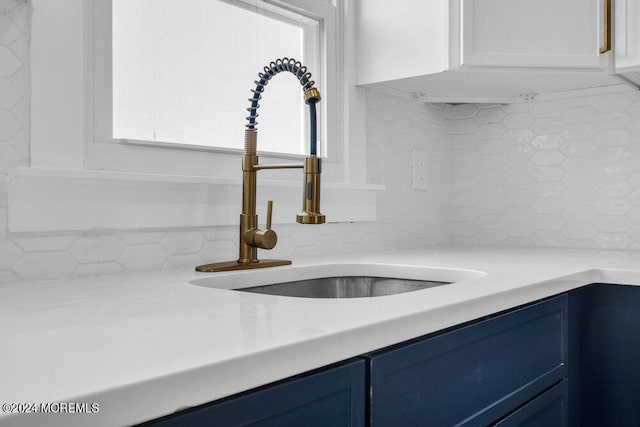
(455, 20)
(419, 91)
(57, 78)
(470, 100)
(382, 88)
(621, 40)
(627, 36)
(68, 200)
(613, 88)
(590, 91)
(83, 174)
(352, 100)
(425, 97)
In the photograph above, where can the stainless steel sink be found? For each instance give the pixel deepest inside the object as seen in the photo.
(343, 287)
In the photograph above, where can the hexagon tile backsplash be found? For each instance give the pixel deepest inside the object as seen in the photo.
(405, 218)
(561, 173)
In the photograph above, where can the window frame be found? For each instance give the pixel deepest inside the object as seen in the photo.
(90, 185)
(158, 155)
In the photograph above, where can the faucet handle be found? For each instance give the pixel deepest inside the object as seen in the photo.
(269, 213)
(268, 238)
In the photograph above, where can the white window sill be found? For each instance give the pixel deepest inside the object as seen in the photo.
(44, 200)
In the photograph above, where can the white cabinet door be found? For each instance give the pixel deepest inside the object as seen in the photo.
(627, 35)
(532, 33)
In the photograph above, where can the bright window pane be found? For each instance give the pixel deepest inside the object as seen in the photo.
(183, 70)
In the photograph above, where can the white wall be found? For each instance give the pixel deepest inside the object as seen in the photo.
(406, 217)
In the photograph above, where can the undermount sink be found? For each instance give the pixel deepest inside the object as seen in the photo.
(343, 287)
(337, 281)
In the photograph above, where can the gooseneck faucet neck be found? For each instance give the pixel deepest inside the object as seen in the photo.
(311, 94)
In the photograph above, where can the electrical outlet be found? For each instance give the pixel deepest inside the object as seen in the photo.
(419, 169)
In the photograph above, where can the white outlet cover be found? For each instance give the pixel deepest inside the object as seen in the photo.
(419, 160)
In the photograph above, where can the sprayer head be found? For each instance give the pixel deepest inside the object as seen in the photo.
(311, 192)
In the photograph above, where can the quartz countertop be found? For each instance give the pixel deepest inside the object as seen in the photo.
(144, 345)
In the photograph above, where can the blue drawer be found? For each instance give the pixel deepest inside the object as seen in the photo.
(473, 375)
(550, 409)
(334, 396)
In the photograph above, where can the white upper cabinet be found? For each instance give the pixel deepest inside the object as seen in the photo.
(539, 33)
(494, 50)
(401, 39)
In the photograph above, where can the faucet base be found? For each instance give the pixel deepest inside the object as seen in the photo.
(235, 265)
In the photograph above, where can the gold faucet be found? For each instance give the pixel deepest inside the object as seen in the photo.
(251, 237)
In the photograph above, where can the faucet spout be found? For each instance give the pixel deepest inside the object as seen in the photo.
(251, 237)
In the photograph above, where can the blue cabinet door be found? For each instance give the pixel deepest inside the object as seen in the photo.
(547, 410)
(331, 397)
(605, 356)
(473, 375)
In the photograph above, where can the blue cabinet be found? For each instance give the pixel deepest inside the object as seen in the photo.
(472, 375)
(605, 356)
(334, 396)
(508, 368)
(550, 409)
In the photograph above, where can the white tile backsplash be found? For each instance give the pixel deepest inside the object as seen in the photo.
(395, 127)
(562, 172)
(565, 173)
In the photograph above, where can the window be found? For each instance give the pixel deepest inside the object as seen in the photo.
(183, 70)
(93, 181)
(314, 20)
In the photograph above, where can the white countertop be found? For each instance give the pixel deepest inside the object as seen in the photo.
(144, 345)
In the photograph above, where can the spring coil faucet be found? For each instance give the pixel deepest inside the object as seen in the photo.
(251, 237)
